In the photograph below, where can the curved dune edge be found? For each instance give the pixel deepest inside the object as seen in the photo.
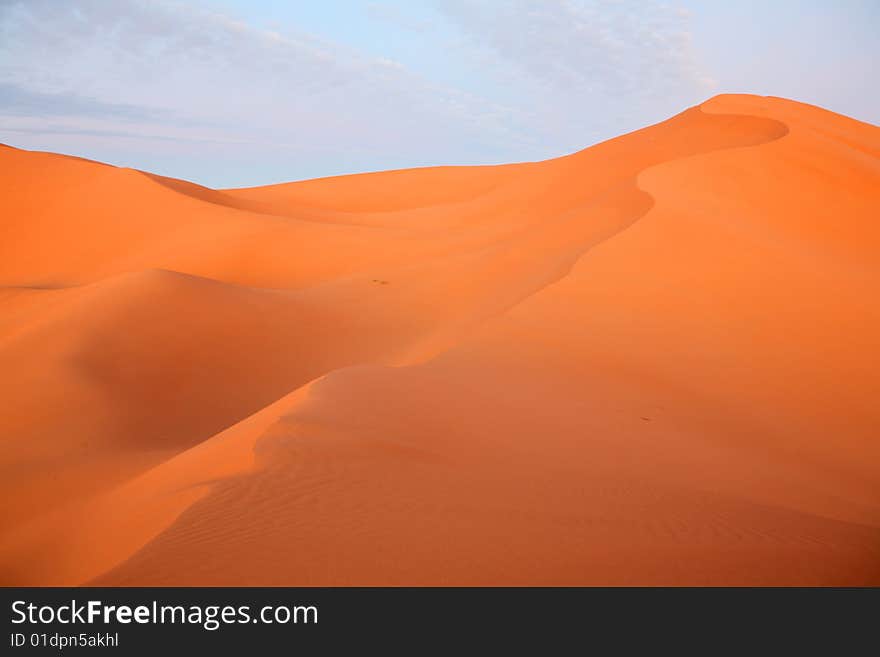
(76, 545)
(248, 432)
(102, 532)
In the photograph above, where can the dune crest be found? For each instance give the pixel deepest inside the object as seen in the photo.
(647, 362)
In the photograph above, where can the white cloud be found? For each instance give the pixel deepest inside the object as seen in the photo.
(620, 55)
(191, 66)
(164, 73)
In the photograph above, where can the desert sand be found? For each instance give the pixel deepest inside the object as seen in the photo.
(651, 362)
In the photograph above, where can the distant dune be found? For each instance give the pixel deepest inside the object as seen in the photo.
(655, 361)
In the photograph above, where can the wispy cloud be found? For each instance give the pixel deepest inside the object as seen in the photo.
(573, 56)
(131, 58)
(177, 72)
(18, 101)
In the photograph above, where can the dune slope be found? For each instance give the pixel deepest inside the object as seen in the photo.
(648, 362)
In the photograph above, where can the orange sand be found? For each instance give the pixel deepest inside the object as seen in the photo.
(654, 361)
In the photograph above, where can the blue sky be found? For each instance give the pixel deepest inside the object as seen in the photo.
(235, 92)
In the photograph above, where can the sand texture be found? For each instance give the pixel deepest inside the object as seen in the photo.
(655, 361)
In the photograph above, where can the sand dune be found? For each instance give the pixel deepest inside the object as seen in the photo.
(649, 362)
